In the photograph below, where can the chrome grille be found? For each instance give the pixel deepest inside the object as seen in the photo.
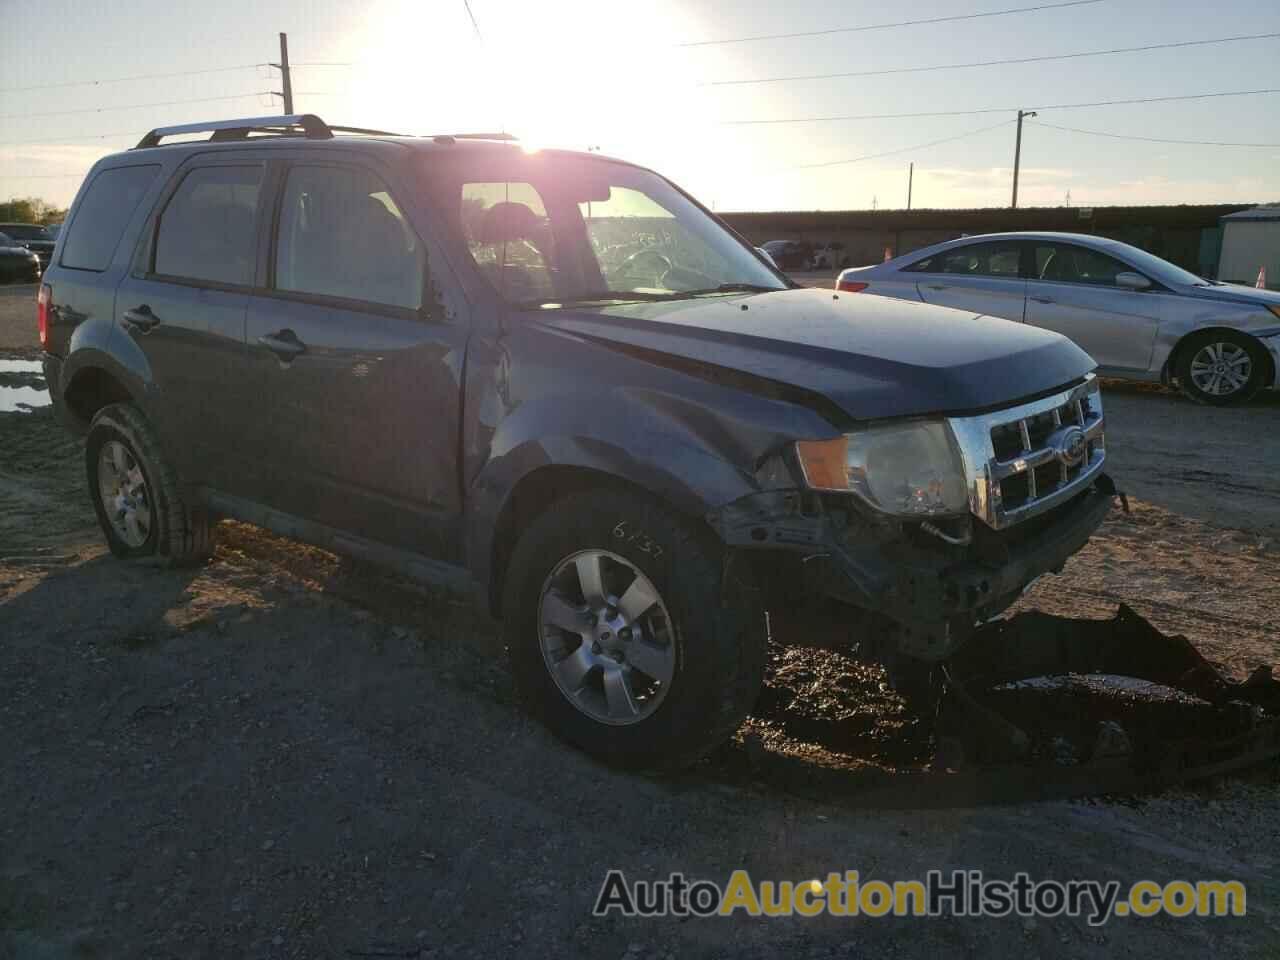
(1030, 458)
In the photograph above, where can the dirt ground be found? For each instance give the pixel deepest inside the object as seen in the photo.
(285, 755)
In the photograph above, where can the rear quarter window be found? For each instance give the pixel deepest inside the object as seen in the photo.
(99, 219)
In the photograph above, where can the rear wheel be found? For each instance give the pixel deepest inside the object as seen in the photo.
(626, 638)
(136, 493)
(1221, 367)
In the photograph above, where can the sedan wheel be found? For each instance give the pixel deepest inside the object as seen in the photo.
(1221, 367)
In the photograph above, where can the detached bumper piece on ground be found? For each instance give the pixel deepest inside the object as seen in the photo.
(1101, 704)
(1040, 706)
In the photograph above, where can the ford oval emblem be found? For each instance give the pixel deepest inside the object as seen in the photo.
(1070, 445)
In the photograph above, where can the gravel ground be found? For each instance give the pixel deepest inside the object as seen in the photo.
(285, 755)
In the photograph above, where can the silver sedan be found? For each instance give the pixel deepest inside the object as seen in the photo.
(1139, 317)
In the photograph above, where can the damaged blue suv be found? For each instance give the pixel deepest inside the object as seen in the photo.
(557, 381)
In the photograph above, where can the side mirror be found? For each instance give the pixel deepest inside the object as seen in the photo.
(1132, 281)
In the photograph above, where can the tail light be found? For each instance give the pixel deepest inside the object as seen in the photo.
(851, 286)
(42, 313)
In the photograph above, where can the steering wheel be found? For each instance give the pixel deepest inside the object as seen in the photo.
(661, 265)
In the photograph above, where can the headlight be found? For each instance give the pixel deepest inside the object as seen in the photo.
(907, 469)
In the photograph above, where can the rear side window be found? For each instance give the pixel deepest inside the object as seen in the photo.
(999, 259)
(100, 217)
(207, 230)
(341, 235)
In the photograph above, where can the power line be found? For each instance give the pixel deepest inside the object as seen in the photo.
(889, 26)
(994, 63)
(960, 113)
(891, 153)
(1125, 136)
(62, 140)
(132, 106)
(140, 76)
(474, 26)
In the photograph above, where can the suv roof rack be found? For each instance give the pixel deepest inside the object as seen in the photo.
(475, 136)
(294, 125)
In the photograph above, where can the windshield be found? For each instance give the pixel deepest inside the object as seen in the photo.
(1159, 269)
(26, 231)
(553, 229)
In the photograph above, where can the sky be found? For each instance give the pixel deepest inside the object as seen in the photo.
(636, 81)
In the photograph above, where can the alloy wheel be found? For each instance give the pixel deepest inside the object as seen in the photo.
(1221, 369)
(122, 488)
(606, 637)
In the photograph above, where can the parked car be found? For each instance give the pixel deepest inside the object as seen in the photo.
(828, 256)
(32, 236)
(1139, 316)
(788, 254)
(17, 263)
(53, 229)
(409, 350)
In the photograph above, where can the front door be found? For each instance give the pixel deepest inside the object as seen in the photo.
(977, 278)
(359, 370)
(1073, 292)
(183, 306)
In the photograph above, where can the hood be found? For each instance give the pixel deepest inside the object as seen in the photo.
(873, 357)
(1234, 293)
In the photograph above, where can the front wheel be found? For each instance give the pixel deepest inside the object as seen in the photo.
(1221, 367)
(626, 637)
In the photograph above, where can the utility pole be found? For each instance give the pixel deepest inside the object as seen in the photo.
(911, 174)
(286, 81)
(1017, 153)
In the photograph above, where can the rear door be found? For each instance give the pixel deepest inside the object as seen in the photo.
(183, 306)
(981, 277)
(357, 367)
(1073, 292)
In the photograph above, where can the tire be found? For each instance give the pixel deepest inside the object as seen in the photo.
(123, 454)
(706, 625)
(1220, 367)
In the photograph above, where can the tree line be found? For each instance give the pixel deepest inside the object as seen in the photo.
(30, 210)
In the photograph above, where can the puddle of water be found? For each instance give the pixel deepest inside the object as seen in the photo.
(20, 366)
(24, 398)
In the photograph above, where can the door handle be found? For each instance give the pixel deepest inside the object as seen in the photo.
(936, 286)
(1043, 299)
(283, 343)
(140, 318)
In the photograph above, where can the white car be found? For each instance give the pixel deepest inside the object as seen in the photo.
(1138, 316)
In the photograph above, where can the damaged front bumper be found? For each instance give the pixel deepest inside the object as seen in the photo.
(935, 591)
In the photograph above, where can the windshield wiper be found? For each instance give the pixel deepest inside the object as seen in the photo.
(732, 288)
(602, 296)
(621, 296)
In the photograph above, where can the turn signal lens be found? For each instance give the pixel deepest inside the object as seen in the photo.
(1274, 308)
(851, 286)
(825, 463)
(909, 469)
